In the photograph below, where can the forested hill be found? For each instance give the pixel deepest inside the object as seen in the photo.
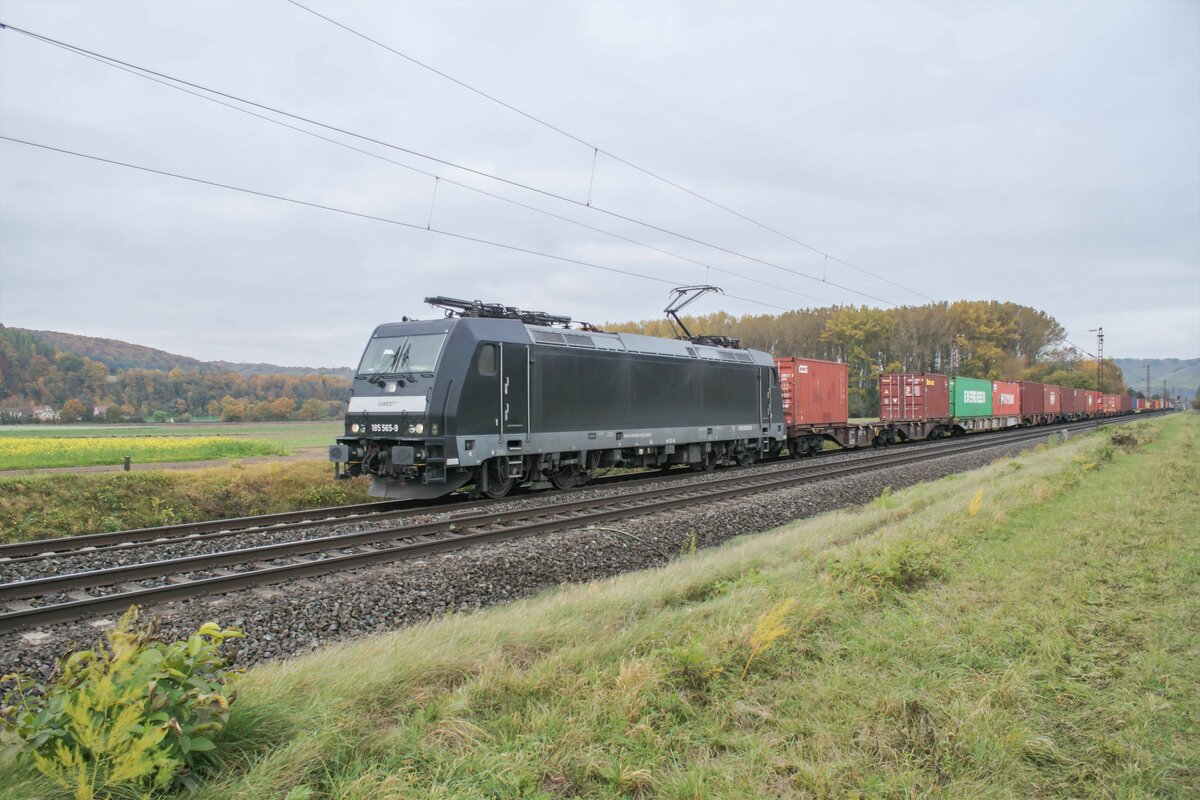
(1181, 374)
(118, 355)
(42, 382)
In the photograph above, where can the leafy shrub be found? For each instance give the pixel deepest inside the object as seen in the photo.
(133, 712)
(901, 567)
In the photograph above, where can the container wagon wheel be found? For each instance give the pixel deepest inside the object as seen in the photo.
(499, 482)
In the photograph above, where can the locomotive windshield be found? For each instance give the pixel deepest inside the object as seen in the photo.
(390, 354)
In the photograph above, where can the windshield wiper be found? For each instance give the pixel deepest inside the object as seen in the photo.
(391, 367)
(402, 359)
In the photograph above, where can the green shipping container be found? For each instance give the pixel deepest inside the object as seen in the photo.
(970, 397)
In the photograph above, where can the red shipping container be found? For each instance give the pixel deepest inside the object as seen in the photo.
(1040, 398)
(1053, 399)
(1006, 399)
(914, 396)
(1126, 402)
(1074, 401)
(1109, 403)
(813, 392)
(1090, 400)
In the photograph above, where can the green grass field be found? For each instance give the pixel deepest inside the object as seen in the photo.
(77, 451)
(1024, 630)
(285, 434)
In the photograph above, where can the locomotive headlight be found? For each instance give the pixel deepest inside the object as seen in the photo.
(420, 427)
(355, 428)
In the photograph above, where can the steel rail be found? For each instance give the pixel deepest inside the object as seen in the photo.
(538, 520)
(188, 530)
(315, 517)
(33, 587)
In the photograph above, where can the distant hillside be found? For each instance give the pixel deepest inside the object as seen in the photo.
(1181, 374)
(118, 355)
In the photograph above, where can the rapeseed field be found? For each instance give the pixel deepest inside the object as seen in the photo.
(34, 452)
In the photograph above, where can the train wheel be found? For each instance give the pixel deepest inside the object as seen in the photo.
(707, 463)
(566, 478)
(745, 458)
(499, 483)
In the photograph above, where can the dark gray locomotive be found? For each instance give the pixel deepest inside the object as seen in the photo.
(493, 397)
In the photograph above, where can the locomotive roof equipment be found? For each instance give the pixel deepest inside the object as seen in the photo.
(681, 298)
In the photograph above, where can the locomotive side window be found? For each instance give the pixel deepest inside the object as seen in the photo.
(487, 360)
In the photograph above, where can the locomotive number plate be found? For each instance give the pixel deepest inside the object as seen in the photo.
(385, 428)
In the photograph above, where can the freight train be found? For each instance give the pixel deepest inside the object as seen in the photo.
(491, 397)
(925, 405)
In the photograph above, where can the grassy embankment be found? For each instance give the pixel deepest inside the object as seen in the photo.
(44, 506)
(1024, 630)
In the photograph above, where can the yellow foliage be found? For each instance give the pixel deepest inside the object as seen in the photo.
(976, 503)
(109, 745)
(768, 630)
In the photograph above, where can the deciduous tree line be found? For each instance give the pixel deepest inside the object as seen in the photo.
(983, 339)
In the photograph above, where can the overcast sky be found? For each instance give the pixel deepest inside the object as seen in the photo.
(1046, 153)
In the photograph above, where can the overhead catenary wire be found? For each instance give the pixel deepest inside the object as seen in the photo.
(596, 149)
(110, 60)
(437, 178)
(360, 214)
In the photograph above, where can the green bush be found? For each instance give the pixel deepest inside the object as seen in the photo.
(900, 567)
(133, 712)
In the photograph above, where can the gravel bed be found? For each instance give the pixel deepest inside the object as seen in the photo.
(286, 619)
(25, 569)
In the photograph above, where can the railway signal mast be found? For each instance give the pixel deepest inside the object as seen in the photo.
(1099, 357)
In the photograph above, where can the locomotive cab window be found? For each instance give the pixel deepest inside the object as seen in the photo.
(402, 354)
(487, 360)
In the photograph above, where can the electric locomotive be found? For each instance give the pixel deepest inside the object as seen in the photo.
(492, 397)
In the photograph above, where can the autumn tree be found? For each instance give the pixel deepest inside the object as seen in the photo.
(72, 411)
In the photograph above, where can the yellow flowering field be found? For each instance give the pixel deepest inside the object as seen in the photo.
(32, 452)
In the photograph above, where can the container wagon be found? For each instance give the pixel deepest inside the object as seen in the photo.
(1006, 403)
(1040, 403)
(972, 405)
(816, 405)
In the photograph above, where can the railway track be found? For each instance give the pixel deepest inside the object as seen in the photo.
(299, 520)
(69, 597)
